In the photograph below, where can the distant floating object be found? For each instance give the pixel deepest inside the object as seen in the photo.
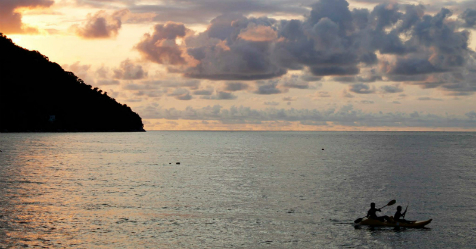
(177, 163)
(170, 163)
(322, 148)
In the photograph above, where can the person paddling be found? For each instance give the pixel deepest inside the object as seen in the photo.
(398, 217)
(372, 213)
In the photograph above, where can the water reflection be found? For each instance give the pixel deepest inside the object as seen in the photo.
(231, 190)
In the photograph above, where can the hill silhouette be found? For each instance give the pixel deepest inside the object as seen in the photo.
(37, 95)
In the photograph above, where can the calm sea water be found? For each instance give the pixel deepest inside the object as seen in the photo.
(234, 189)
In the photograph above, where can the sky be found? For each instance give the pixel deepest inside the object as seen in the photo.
(328, 65)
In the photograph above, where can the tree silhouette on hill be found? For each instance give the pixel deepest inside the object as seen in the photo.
(37, 95)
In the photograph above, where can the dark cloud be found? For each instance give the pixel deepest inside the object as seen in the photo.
(11, 21)
(235, 86)
(289, 99)
(191, 84)
(407, 78)
(384, 15)
(460, 83)
(161, 46)
(100, 25)
(335, 10)
(331, 40)
(268, 87)
(391, 88)
(469, 18)
(220, 95)
(175, 83)
(414, 66)
(367, 102)
(222, 54)
(128, 71)
(181, 94)
(273, 103)
(309, 77)
(205, 92)
(429, 98)
(361, 89)
(143, 89)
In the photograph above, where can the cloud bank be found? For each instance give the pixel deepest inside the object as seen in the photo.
(347, 116)
(391, 42)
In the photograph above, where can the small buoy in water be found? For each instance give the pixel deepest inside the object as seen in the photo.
(170, 163)
(322, 148)
(177, 163)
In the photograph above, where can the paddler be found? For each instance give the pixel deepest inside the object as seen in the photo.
(398, 215)
(372, 213)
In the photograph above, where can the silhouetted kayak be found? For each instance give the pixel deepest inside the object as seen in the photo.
(377, 223)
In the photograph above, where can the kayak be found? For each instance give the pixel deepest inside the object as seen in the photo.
(377, 223)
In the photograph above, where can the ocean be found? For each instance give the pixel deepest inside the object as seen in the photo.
(199, 189)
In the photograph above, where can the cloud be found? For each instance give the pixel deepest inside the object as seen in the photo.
(471, 115)
(267, 87)
(220, 95)
(429, 98)
(205, 92)
(222, 55)
(235, 86)
(346, 94)
(161, 47)
(258, 33)
(289, 98)
(107, 82)
(193, 12)
(361, 89)
(469, 18)
(128, 71)
(100, 25)
(345, 115)
(323, 94)
(294, 81)
(272, 103)
(391, 42)
(181, 94)
(391, 88)
(11, 18)
(80, 70)
(367, 102)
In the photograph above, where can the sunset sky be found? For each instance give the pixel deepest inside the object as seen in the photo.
(265, 65)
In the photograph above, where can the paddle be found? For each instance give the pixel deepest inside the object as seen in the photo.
(405, 213)
(390, 203)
